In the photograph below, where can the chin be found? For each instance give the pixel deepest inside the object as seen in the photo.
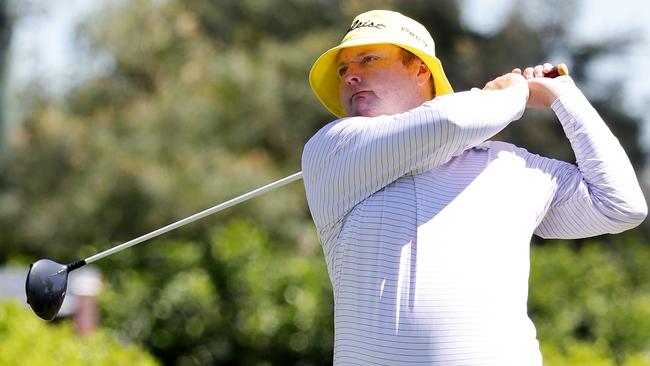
(367, 109)
(362, 115)
(365, 112)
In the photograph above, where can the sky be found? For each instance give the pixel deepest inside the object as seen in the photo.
(43, 42)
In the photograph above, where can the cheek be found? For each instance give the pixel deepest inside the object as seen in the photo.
(344, 92)
(395, 86)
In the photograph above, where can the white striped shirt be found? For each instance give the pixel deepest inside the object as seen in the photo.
(426, 228)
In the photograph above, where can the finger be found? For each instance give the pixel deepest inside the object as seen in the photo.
(547, 67)
(516, 70)
(529, 72)
(488, 86)
(538, 71)
(475, 89)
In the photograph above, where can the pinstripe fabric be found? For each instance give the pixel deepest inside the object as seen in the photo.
(426, 228)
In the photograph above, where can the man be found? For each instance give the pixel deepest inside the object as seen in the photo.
(425, 225)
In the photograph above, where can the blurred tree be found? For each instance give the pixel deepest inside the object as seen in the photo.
(5, 36)
(237, 298)
(595, 300)
(211, 101)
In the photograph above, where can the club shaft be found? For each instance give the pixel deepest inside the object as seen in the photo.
(199, 215)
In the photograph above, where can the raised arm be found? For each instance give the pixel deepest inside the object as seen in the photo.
(350, 159)
(601, 194)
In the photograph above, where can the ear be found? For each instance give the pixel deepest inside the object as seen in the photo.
(423, 73)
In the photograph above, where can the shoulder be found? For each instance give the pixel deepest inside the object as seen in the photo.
(336, 127)
(322, 144)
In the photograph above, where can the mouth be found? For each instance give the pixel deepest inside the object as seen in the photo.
(359, 94)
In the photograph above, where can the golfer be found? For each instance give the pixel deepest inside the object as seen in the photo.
(425, 223)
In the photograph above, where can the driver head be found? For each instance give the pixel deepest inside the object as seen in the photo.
(45, 287)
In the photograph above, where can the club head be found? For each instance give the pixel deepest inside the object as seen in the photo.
(46, 286)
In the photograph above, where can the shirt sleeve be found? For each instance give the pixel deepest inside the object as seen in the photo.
(350, 159)
(601, 194)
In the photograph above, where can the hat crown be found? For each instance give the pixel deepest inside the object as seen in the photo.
(389, 25)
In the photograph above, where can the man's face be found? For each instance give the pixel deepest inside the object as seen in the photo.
(374, 81)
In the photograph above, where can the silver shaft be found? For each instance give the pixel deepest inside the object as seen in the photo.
(244, 197)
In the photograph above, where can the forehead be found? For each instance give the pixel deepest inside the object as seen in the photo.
(352, 52)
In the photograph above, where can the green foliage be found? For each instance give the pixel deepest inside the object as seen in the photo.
(592, 303)
(27, 340)
(235, 298)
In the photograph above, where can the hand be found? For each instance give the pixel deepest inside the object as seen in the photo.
(544, 91)
(511, 80)
(505, 81)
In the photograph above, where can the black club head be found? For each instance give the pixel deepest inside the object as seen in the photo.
(46, 285)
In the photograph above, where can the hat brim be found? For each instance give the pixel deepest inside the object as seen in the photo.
(324, 78)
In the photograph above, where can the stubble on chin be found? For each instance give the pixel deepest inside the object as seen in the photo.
(364, 106)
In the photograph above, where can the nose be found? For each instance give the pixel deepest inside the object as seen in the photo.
(352, 74)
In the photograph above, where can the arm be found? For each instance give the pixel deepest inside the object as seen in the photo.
(350, 159)
(601, 194)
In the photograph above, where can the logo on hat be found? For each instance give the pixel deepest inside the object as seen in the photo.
(367, 24)
(414, 35)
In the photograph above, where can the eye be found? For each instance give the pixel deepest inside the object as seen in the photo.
(342, 70)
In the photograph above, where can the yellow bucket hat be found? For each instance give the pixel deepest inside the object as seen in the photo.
(376, 27)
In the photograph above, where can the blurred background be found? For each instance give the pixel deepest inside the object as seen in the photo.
(119, 117)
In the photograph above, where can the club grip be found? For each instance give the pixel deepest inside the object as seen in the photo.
(559, 70)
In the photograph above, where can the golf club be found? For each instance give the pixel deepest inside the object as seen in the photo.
(47, 280)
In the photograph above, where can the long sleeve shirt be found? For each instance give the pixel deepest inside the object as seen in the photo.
(426, 228)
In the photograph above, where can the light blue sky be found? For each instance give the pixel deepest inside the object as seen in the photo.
(43, 42)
